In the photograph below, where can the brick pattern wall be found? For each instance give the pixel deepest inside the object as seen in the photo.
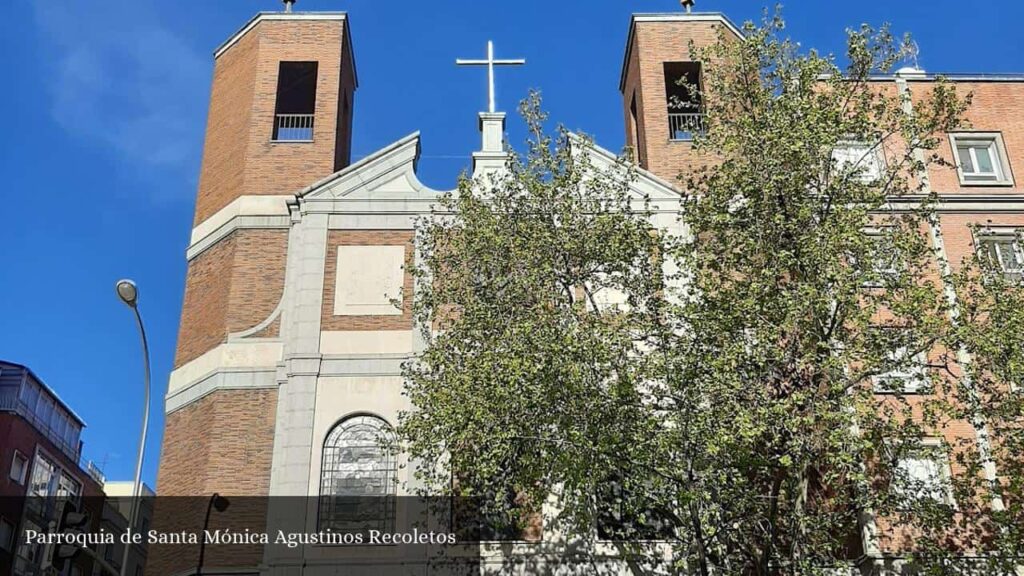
(346, 108)
(222, 173)
(232, 286)
(221, 443)
(337, 238)
(239, 157)
(957, 235)
(996, 107)
(655, 43)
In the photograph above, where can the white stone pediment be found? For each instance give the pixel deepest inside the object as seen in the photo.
(646, 185)
(389, 173)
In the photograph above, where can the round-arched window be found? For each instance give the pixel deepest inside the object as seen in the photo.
(357, 476)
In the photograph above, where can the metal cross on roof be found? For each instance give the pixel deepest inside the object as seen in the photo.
(490, 63)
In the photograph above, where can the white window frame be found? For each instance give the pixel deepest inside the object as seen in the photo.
(914, 377)
(69, 488)
(25, 465)
(876, 234)
(1001, 235)
(1002, 176)
(872, 160)
(936, 450)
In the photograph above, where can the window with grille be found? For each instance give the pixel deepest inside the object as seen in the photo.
(861, 158)
(683, 100)
(1003, 253)
(357, 476)
(924, 474)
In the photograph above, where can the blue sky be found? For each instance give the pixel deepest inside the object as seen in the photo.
(104, 106)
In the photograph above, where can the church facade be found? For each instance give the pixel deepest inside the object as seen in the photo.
(290, 344)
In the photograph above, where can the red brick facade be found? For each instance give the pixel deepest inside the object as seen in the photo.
(18, 435)
(997, 107)
(232, 286)
(239, 156)
(220, 443)
(224, 443)
(643, 81)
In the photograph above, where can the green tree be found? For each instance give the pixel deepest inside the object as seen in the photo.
(529, 376)
(729, 408)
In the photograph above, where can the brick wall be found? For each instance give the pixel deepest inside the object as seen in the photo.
(996, 107)
(957, 235)
(631, 92)
(239, 157)
(337, 238)
(653, 44)
(232, 286)
(222, 173)
(221, 443)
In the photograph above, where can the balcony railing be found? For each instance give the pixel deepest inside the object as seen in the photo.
(293, 128)
(684, 126)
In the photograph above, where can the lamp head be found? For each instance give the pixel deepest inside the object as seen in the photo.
(220, 503)
(128, 292)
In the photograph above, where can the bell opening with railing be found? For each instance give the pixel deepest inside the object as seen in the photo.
(296, 102)
(683, 100)
(685, 126)
(293, 128)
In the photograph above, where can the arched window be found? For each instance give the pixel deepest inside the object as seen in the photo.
(357, 476)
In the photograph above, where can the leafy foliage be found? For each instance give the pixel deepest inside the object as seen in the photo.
(737, 392)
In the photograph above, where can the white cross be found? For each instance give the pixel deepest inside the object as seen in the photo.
(490, 63)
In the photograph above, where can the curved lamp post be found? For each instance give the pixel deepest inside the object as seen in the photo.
(129, 294)
(221, 504)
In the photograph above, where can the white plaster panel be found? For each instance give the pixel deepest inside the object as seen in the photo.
(367, 278)
(227, 355)
(366, 342)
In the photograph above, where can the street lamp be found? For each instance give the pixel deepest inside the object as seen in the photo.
(129, 294)
(221, 504)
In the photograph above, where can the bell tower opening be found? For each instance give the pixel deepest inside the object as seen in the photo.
(682, 98)
(296, 102)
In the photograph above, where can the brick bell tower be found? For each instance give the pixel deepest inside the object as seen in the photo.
(661, 116)
(280, 119)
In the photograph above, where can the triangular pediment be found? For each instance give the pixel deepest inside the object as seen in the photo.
(390, 173)
(387, 173)
(646, 185)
